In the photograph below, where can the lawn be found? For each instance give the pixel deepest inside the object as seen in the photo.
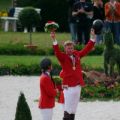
(92, 61)
(41, 39)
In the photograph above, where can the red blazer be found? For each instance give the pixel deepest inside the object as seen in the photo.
(108, 12)
(47, 92)
(72, 77)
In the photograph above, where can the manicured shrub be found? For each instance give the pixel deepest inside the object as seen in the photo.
(19, 49)
(29, 18)
(20, 69)
(79, 47)
(4, 70)
(22, 111)
(50, 51)
(41, 52)
(97, 51)
(13, 49)
(33, 69)
(25, 69)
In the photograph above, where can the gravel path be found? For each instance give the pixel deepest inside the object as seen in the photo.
(10, 87)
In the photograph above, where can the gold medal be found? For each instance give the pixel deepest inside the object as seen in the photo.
(74, 67)
(73, 62)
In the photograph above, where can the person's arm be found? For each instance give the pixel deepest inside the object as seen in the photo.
(89, 10)
(75, 13)
(58, 53)
(89, 45)
(108, 9)
(89, 14)
(117, 9)
(75, 10)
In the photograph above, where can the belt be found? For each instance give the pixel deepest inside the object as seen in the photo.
(66, 86)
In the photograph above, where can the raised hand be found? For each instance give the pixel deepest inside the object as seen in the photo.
(92, 34)
(52, 35)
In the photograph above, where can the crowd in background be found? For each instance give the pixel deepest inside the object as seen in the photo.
(81, 15)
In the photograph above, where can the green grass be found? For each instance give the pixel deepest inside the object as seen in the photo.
(93, 61)
(27, 60)
(41, 39)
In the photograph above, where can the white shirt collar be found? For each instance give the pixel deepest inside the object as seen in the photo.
(48, 73)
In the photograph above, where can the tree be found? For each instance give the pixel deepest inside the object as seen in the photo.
(22, 110)
(56, 10)
(29, 18)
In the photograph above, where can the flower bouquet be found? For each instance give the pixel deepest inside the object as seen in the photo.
(51, 26)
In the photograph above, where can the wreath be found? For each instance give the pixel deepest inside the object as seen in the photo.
(51, 26)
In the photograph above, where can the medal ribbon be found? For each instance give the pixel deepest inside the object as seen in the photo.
(73, 62)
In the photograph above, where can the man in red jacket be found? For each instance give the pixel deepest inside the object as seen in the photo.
(47, 90)
(72, 72)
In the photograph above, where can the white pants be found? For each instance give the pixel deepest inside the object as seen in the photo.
(46, 114)
(72, 97)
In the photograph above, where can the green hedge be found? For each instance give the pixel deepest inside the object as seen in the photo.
(20, 69)
(19, 49)
(34, 69)
(100, 92)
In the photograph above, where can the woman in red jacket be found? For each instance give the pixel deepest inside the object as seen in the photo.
(47, 90)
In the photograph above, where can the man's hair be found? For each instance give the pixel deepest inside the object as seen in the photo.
(68, 42)
(45, 64)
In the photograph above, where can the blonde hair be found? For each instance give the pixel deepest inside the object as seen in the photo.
(68, 42)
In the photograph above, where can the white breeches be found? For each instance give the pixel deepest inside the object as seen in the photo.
(72, 97)
(46, 114)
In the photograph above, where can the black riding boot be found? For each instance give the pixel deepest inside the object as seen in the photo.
(66, 116)
(72, 117)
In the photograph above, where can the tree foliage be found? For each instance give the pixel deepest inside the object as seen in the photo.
(22, 111)
(55, 10)
(29, 17)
